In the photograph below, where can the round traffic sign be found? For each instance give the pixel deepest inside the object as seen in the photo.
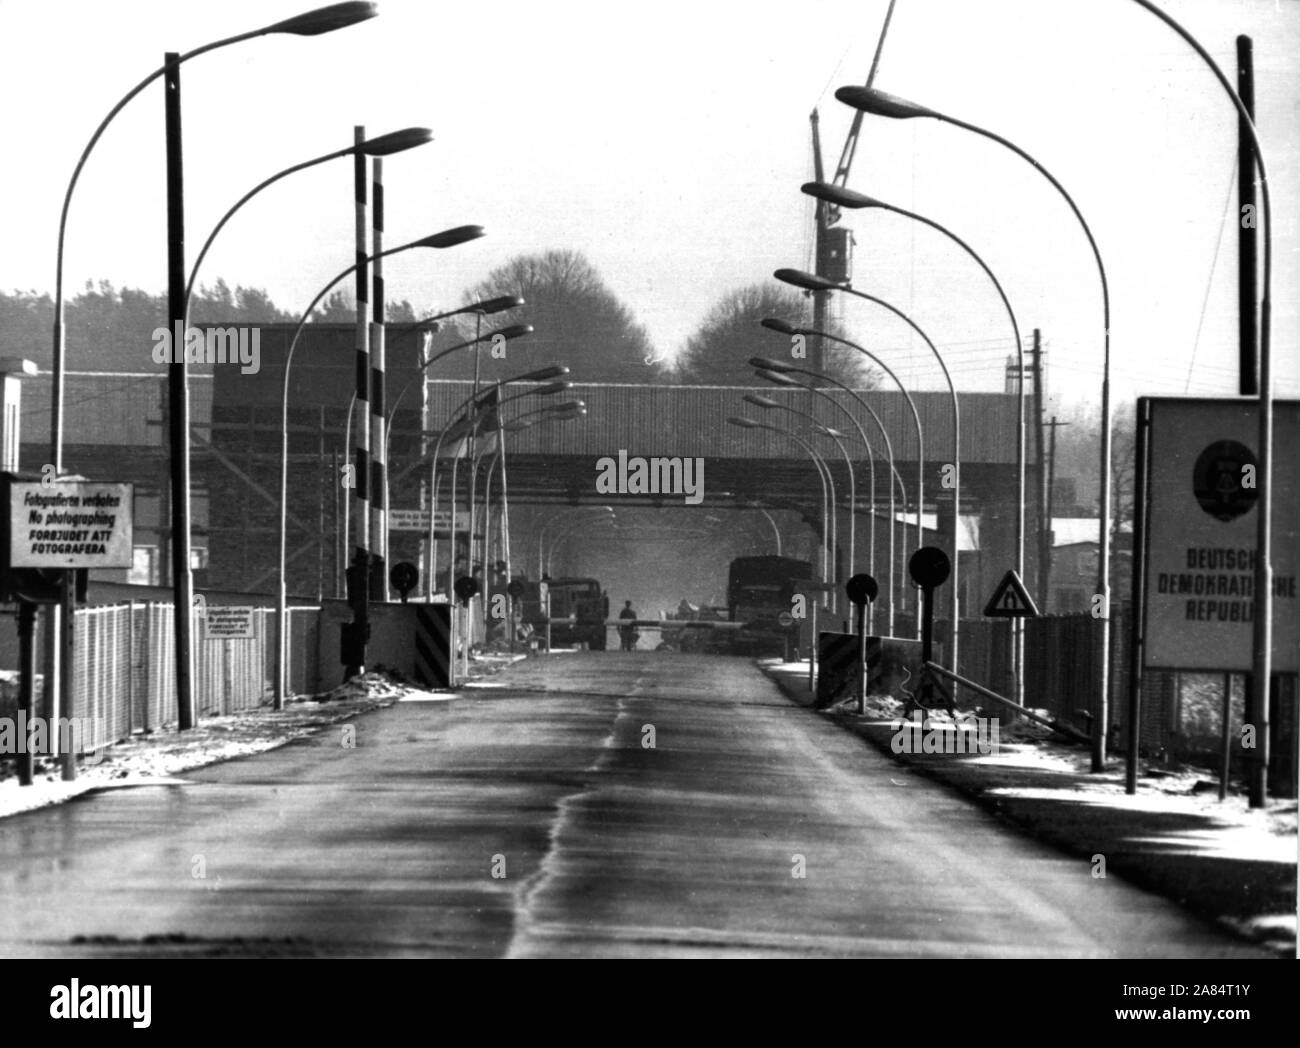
(785, 619)
(465, 587)
(403, 576)
(861, 589)
(929, 567)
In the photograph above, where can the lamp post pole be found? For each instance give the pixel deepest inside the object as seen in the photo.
(1262, 657)
(773, 370)
(882, 104)
(448, 238)
(779, 325)
(828, 492)
(178, 404)
(772, 405)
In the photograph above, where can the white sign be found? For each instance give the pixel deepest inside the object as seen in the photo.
(70, 524)
(1201, 520)
(227, 623)
(418, 520)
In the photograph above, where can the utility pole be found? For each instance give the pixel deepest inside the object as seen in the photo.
(1045, 563)
(178, 402)
(1044, 522)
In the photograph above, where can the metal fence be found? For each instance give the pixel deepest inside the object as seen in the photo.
(124, 664)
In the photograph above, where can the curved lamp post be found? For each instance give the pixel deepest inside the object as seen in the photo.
(847, 198)
(464, 429)
(608, 511)
(1262, 661)
(768, 404)
(312, 23)
(778, 372)
(783, 379)
(828, 497)
(384, 145)
(811, 282)
(562, 412)
(869, 100)
(447, 238)
(515, 331)
(774, 324)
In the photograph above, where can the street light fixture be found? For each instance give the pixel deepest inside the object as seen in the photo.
(784, 328)
(465, 427)
(768, 404)
(1262, 639)
(311, 23)
(447, 238)
(812, 282)
(879, 103)
(823, 474)
(779, 373)
(384, 145)
(843, 197)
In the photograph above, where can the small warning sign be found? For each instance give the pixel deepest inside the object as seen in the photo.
(1011, 600)
(227, 623)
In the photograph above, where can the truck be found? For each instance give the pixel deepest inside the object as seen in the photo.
(581, 601)
(760, 594)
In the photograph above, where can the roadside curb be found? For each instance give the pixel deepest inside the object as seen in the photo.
(1238, 896)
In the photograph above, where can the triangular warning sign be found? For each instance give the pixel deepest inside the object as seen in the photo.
(1011, 600)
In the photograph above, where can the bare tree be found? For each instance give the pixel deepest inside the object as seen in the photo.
(578, 322)
(719, 351)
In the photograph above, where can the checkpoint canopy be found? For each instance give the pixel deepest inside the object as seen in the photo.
(1196, 529)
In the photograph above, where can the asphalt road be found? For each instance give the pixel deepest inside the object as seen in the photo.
(531, 818)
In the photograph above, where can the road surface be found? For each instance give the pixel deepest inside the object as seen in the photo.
(531, 817)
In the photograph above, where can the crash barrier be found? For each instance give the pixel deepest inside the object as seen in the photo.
(893, 667)
(124, 666)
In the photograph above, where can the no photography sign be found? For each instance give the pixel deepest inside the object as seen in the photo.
(70, 524)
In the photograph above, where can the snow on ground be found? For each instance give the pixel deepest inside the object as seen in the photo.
(1221, 858)
(162, 755)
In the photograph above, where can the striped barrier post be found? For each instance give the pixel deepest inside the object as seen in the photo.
(433, 645)
(378, 443)
(360, 598)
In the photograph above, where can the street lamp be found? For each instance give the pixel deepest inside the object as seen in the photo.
(781, 326)
(779, 373)
(512, 332)
(384, 145)
(823, 474)
(811, 282)
(869, 100)
(311, 23)
(847, 198)
(1262, 660)
(465, 429)
(447, 238)
(768, 404)
(607, 511)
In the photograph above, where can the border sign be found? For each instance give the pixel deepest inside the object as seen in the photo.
(1196, 529)
(70, 524)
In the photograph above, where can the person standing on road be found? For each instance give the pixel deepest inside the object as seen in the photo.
(627, 635)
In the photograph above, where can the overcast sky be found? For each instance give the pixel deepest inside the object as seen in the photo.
(668, 141)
